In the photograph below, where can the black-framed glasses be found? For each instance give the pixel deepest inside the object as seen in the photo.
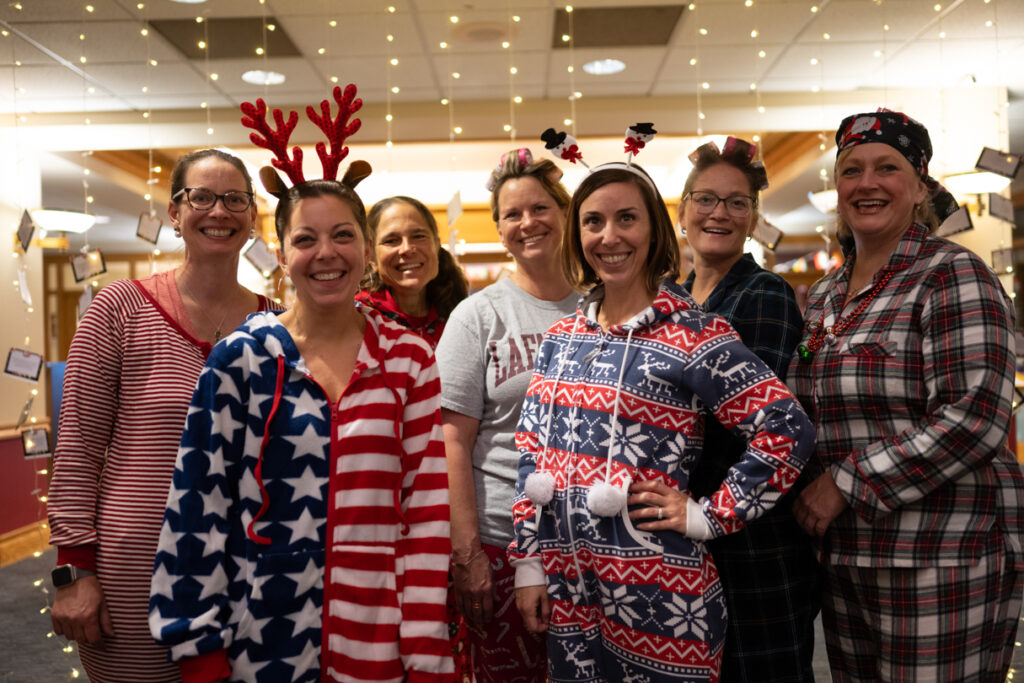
(737, 205)
(201, 199)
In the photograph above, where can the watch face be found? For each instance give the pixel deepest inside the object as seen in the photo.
(62, 576)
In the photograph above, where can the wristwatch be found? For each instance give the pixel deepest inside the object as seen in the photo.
(67, 574)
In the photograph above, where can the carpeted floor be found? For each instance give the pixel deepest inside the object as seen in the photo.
(28, 656)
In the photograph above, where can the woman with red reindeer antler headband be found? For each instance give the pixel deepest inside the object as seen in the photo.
(306, 532)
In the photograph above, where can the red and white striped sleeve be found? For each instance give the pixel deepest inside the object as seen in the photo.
(88, 409)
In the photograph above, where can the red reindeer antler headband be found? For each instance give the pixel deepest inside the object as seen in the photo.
(337, 131)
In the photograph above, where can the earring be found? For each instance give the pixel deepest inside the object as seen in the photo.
(177, 231)
(252, 233)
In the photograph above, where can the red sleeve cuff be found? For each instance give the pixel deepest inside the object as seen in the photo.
(82, 556)
(212, 666)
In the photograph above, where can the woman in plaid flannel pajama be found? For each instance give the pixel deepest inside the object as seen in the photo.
(907, 367)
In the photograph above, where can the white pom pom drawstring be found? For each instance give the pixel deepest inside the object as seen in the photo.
(605, 499)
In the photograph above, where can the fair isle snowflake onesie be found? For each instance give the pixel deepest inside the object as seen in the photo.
(607, 407)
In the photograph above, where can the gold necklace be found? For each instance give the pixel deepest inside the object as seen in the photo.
(202, 312)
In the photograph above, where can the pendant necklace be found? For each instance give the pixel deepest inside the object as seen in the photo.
(217, 334)
(821, 334)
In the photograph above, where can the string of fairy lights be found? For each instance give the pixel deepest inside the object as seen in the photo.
(38, 489)
(509, 46)
(389, 88)
(570, 38)
(515, 78)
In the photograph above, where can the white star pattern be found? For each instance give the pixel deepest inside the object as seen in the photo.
(307, 443)
(305, 404)
(169, 538)
(213, 540)
(256, 402)
(244, 669)
(174, 497)
(213, 584)
(307, 485)
(303, 527)
(158, 623)
(226, 385)
(272, 345)
(306, 618)
(309, 578)
(214, 502)
(254, 631)
(163, 582)
(223, 423)
(303, 662)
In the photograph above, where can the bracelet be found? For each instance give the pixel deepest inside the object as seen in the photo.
(472, 556)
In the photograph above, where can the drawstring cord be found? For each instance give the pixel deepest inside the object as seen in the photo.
(605, 499)
(539, 486)
(278, 384)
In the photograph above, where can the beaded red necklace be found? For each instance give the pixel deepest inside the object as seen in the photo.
(822, 334)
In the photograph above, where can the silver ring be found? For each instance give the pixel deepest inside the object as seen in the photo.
(659, 514)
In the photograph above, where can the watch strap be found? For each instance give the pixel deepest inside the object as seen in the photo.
(64, 571)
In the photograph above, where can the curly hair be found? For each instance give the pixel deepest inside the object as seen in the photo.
(512, 166)
(663, 254)
(448, 287)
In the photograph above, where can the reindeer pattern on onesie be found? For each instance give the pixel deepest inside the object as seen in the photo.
(627, 404)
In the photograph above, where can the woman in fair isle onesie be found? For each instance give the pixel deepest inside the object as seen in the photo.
(609, 546)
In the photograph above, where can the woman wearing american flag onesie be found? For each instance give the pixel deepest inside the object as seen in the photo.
(609, 433)
(306, 532)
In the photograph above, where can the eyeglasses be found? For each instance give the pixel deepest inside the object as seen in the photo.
(737, 205)
(201, 199)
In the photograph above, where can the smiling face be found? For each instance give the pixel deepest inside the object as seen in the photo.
(529, 222)
(324, 252)
(615, 235)
(878, 190)
(718, 237)
(405, 250)
(215, 230)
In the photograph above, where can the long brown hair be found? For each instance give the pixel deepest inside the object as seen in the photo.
(448, 287)
(663, 255)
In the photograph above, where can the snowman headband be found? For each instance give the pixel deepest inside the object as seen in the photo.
(337, 130)
(564, 146)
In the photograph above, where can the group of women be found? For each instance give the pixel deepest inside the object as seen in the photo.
(601, 488)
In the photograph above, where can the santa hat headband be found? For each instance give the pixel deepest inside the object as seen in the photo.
(337, 129)
(564, 146)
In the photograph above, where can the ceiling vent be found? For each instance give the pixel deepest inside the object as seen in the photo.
(483, 32)
(617, 26)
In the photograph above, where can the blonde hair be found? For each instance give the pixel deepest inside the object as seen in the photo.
(544, 171)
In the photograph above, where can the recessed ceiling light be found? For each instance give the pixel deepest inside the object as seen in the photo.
(603, 67)
(260, 77)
